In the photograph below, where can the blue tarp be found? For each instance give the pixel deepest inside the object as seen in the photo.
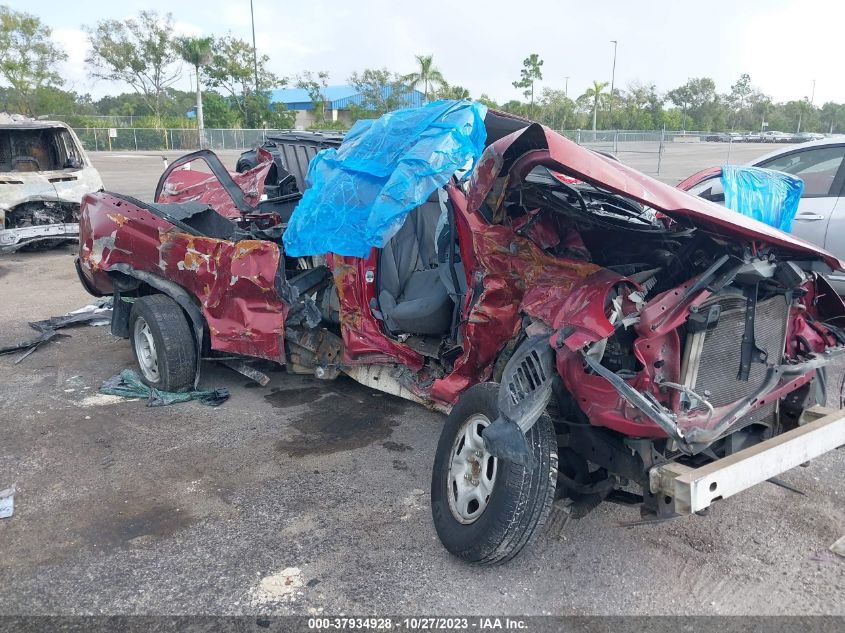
(360, 193)
(763, 194)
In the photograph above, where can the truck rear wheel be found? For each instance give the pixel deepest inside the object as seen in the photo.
(163, 343)
(486, 510)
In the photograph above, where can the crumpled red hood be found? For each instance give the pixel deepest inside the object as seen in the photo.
(490, 180)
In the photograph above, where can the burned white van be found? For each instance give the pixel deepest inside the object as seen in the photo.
(44, 172)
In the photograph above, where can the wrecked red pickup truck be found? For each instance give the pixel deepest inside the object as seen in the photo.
(589, 329)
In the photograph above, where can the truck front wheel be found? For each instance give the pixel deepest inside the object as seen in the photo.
(486, 510)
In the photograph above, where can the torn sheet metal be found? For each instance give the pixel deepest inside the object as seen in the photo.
(239, 285)
(94, 314)
(492, 175)
(128, 384)
(361, 193)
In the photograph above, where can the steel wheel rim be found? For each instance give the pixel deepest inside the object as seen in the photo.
(472, 472)
(145, 349)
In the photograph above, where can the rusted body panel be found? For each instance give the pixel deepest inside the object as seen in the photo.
(235, 283)
(364, 341)
(189, 185)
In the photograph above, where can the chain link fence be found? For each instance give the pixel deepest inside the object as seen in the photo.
(644, 148)
(180, 139)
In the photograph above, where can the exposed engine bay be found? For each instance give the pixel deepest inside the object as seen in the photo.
(44, 173)
(737, 326)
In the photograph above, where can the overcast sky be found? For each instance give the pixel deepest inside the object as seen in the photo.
(782, 44)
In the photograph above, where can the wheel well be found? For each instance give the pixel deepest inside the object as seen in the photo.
(129, 282)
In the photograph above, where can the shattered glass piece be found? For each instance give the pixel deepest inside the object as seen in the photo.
(7, 502)
(763, 194)
(128, 384)
(360, 193)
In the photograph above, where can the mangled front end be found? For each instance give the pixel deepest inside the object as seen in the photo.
(44, 173)
(661, 322)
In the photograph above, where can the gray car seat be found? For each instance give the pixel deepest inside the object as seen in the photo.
(413, 298)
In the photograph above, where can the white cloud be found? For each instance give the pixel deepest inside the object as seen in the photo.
(783, 44)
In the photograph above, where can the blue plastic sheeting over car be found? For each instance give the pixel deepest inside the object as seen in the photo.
(763, 194)
(359, 194)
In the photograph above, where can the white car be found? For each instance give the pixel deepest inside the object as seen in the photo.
(44, 172)
(821, 212)
(773, 136)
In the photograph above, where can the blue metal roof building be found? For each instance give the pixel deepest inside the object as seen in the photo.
(337, 97)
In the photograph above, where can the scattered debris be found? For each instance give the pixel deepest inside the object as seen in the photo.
(246, 370)
(128, 385)
(839, 546)
(95, 314)
(278, 587)
(7, 502)
(30, 345)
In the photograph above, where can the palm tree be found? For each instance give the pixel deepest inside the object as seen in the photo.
(196, 51)
(595, 94)
(426, 75)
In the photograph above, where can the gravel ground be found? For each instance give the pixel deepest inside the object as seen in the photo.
(302, 496)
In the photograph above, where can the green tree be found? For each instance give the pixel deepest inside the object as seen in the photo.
(28, 57)
(452, 92)
(531, 72)
(557, 111)
(196, 51)
(596, 96)
(697, 99)
(486, 100)
(138, 51)
(220, 112)
(741, 91)
(315, 85)
(232, 70)
(640, 108)
(381, 91)
(833, 117)
(426, 75)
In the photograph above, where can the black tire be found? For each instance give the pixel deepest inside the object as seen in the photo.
(520, 500)
(173, 342)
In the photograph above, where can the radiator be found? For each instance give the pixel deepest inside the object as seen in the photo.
(711, 358)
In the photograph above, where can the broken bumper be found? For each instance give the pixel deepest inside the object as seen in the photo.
(694, 489)
(13, 239)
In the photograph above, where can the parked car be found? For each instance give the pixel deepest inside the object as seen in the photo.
(44, 172)
(773, 136)
(585, 326)
(724, 137)
(752, 137)
(821, 212)
(803, 137)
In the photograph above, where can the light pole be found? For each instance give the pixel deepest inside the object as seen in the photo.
(254, 50)
(566, 87)
(612, 80)
(813, 93)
